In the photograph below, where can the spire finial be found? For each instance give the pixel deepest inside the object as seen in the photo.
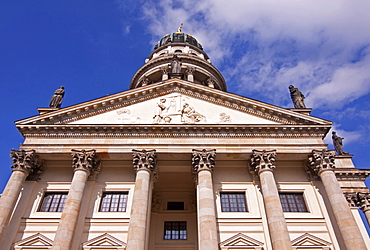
(179, 29)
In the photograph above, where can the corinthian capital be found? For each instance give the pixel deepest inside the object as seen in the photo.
(144, 160)
(203, 159)
(262, 160)
(86, 160)
(363, 201)
(321, 160)
(28, 162)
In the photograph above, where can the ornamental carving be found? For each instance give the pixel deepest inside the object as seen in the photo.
(363, 201)
(144, 160)
(203, 160)
(321, 160)
(190, 70)
(262, 160)
(86, 160)
(28, 162)
(351, 199)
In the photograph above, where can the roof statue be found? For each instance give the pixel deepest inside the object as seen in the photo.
(297, 97)
(57, 98)
(338, 144)
(180, 28)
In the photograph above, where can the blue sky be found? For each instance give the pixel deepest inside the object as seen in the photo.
(94, 47)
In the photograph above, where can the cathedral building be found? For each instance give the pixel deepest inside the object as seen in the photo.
(179, 163)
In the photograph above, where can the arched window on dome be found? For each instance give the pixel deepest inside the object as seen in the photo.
(178, 51)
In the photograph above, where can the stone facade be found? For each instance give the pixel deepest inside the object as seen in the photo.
(179, 163)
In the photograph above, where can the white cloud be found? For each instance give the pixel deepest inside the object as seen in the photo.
(310, 44)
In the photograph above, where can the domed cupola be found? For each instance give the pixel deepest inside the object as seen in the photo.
(178, 55)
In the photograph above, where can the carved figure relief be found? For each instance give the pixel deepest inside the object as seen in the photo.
(190, 115)
(225, 118)
(176, 109)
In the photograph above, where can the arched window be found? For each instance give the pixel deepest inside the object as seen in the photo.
(178, 51)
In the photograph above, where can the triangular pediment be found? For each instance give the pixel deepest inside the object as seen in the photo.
(37, 241)
(184, 103)
(309, 240)
(241, 241)
(105, 241)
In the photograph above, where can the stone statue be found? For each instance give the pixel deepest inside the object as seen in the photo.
(175, 65)
(297, 97)
(338, 144)
(190, 116)
(57, 98)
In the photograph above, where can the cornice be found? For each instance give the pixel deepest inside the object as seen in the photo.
(351, 174)
(171, 131)
(130, 97)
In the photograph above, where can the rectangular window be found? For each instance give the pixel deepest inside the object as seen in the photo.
(114, 202)
(293, 202)
(53, 202)
(175, 230)
(233, 202)
(175, 205)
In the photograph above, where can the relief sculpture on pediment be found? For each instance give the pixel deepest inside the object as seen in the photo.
(124, 117)
(176, 109)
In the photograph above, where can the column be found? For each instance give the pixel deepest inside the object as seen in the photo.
(263, 163)
(203, 162)
(25, 164)
(85, 163)
(145, 167)
(322, 163)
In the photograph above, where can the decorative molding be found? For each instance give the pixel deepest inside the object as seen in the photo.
(358, 199)
(320, 160)
(351, 198)
(36, 241)
(307, 241)
(203, 160)
(104, 241)
(174, 130)
(263, 160)
(86, 160)
(145, 160)
(28, 162)
(351, 174)
(241, 241)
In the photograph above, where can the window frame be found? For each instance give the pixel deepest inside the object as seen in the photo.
(60, 202)
(125, 197)
(297, 203)
(178, 231)
(229, 202)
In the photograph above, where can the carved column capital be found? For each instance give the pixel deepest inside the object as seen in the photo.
(263, 160)
(363, 201)
(203, 160)
(351, 199)
(86, 160)
(321, 160)
(28, 162)
(144, 160)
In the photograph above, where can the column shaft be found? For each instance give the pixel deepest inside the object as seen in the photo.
(275, 216)
(68, 221)
(347, 225)
(9, 198)
(139, 212)
(206, 212)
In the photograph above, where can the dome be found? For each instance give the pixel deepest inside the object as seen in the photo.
(178, 37)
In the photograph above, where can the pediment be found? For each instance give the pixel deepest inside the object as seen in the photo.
(105, 241)
(241, 241)
(36, 241)
(309, 240)
(185, 103)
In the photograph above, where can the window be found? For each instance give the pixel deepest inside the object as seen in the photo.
(175, 230)
(53, 202)
(178, 51)
(114, 202)
(293, 202)
(233, 202)
(175, 205)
